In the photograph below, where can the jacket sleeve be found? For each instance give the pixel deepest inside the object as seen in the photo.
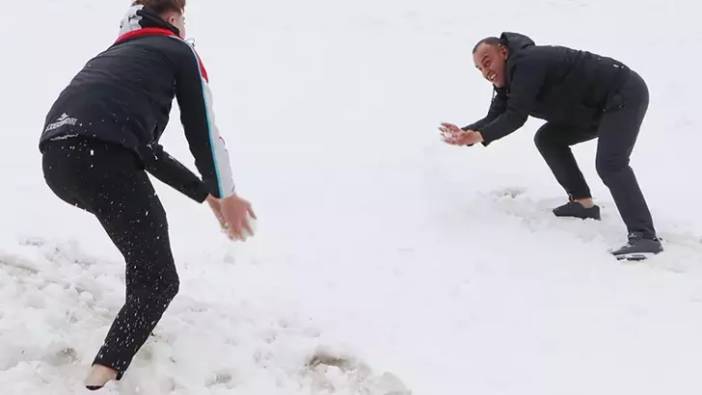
(206, 144)
(526, 82)
(497, 107)
(167, 169)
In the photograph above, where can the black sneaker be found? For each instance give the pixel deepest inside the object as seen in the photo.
(577, 210)
(638, 248)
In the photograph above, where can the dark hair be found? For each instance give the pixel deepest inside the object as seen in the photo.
(493, 41)
(161, 6)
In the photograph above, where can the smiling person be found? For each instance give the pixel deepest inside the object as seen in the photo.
(582, 96)
(101, 137)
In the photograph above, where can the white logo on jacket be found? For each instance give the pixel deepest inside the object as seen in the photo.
(63, 120)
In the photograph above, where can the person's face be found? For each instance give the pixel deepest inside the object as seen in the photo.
(491, 60)
(176, 19)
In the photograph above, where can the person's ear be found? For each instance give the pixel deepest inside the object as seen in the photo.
(169, 17)
(504, 51)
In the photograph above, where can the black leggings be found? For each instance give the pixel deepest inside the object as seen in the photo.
(616, 131)
(107, 181)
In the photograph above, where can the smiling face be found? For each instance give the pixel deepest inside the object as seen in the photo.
(491, 60)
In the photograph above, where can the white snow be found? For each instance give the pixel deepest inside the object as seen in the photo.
(386, 262)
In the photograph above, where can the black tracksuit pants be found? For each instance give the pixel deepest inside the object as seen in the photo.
(617, 131)
(107, 181)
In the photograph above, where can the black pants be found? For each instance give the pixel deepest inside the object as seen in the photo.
(107, 181)
(617, 131)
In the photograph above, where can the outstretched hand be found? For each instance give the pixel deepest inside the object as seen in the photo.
(452, 134)
(233, 214)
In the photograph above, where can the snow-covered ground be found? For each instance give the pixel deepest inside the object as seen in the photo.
(386, 262)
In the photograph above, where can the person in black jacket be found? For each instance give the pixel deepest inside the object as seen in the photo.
(582, 96)
(101, 137)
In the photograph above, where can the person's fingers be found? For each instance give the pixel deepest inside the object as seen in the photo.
(242, 236)
(451, 127)
(220, 222)
(455, 136)
(448, 134)
(217, 212)
(247, 228)
(242, 232)
(234, 235)
(235, 229)
(251, 212)
(220, 218)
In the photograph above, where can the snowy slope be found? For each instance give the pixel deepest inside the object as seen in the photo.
(386, 262)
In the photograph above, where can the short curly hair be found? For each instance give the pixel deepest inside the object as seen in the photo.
(161, 6)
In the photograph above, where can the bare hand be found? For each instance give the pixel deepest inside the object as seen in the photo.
(448, 130)
(454, 135)
(236, 212)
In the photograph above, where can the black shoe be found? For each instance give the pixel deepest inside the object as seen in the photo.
(638, 248)
(577, 210)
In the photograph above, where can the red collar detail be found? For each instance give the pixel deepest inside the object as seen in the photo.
(143, 32)
(157, 31)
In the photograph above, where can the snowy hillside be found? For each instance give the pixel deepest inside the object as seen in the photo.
(386, 262)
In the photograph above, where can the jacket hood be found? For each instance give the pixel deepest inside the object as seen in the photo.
(138, 17)
(516, 42)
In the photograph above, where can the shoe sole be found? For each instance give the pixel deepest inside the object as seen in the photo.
(636, 256)
(576, 217)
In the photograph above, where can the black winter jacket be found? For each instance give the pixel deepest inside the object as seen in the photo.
(124, 96)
